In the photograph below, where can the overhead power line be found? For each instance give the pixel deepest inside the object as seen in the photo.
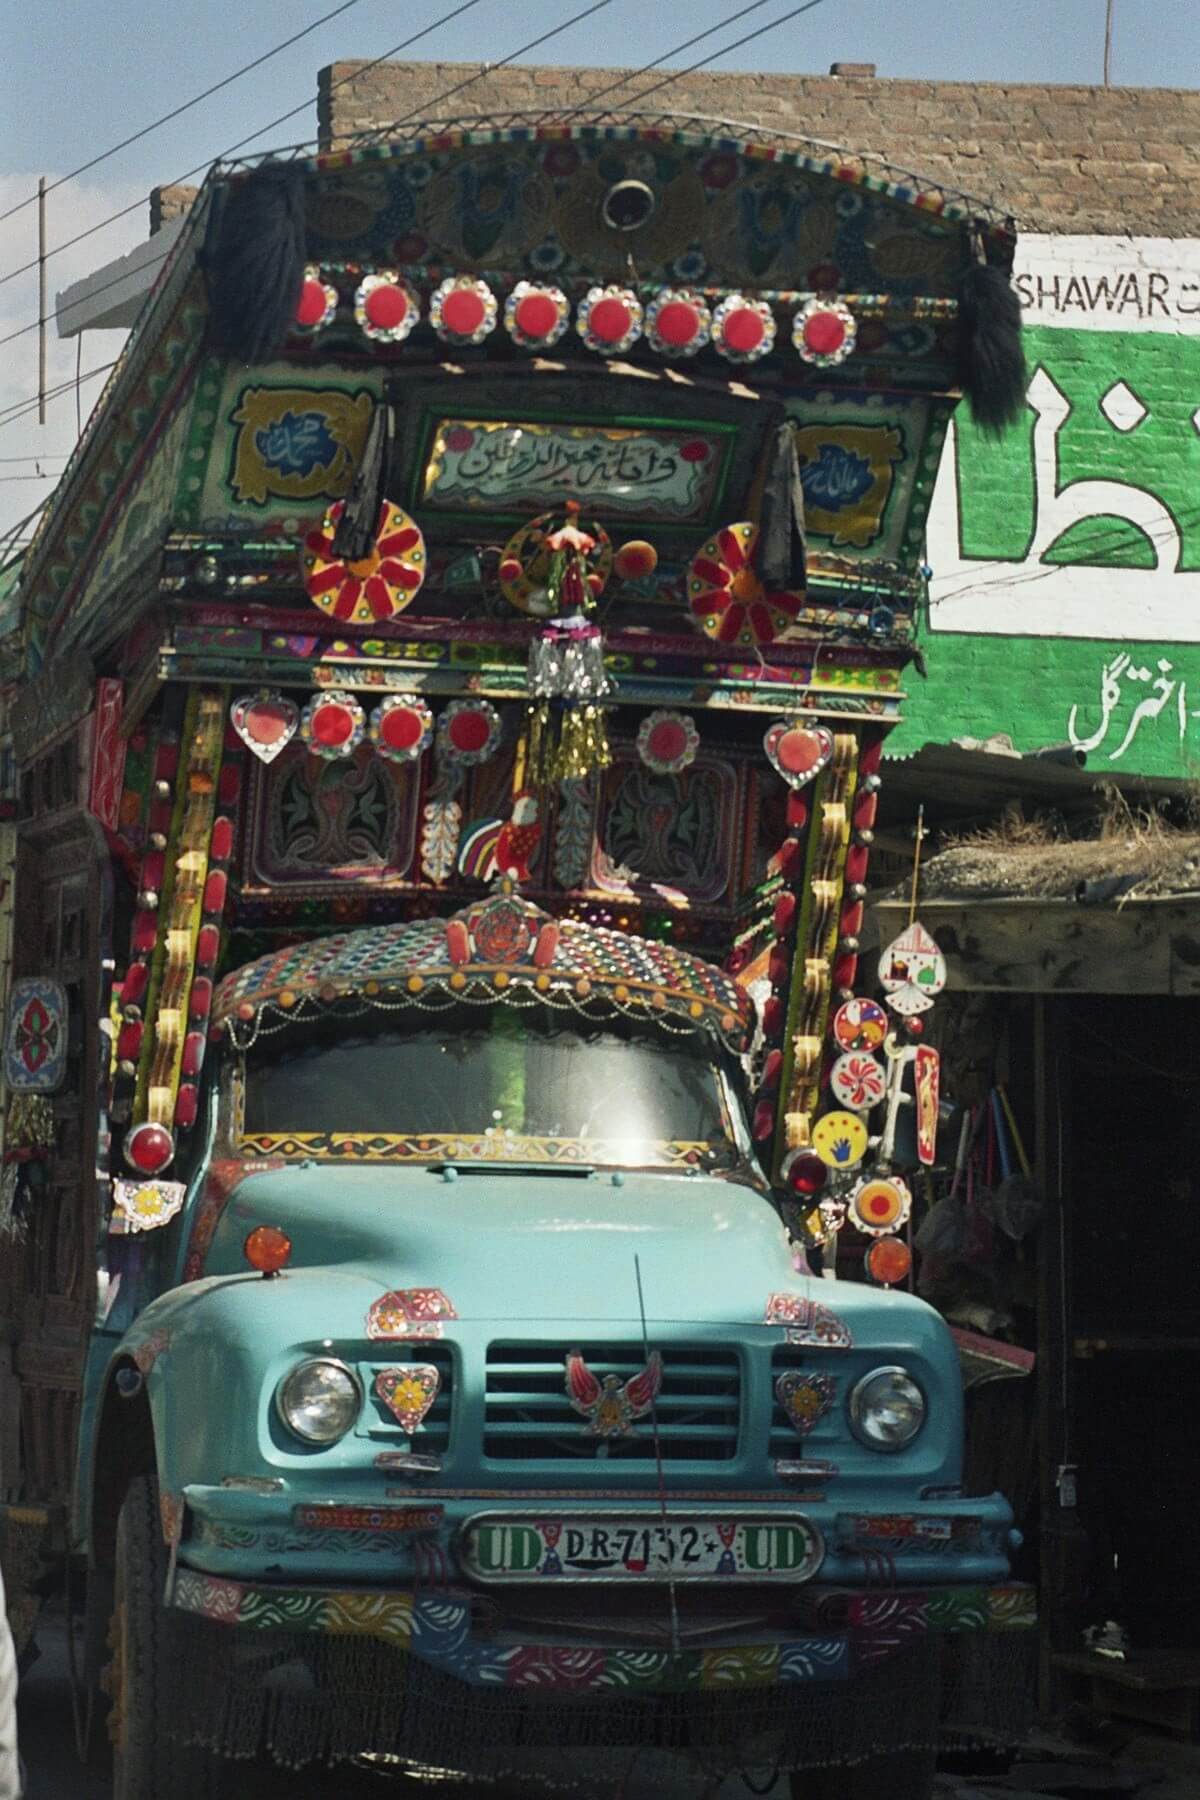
(676, 50)
(762, 30)
(124, 211)
(20, 409)
(187, 105)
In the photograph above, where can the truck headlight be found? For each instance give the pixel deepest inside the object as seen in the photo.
(319, 1400)
(887, 1409)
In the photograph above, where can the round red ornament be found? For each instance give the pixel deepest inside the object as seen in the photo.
(386, 308)
(636, 560)
(536, 316)
(468, 732)
(374, 587)
(149, 1148)
(824, 332)
(610, 319)
(317, 304)
(797, 752)
(678, 322)
(332, 724)
(667, 742)
(463, 310)
(743, 330)
(401, 727)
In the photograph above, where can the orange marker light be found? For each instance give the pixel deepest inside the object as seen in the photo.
(268, 1249)
(888, 1261)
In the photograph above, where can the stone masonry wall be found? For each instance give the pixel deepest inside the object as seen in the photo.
(1061, 159)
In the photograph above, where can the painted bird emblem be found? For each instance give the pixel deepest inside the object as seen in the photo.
(611, 1406)
(503, 846)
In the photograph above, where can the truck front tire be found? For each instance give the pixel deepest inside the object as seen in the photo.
(149, 1763)
(902, 1775)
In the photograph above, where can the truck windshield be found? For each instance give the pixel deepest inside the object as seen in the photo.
(504, 1085)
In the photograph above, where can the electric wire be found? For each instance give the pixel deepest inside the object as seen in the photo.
(359, 70)
(19, 409)
(177, 111)
(675, 50)
(749, 38)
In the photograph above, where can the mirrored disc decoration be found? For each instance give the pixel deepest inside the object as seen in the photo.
(667, 742)
(469, 732)
(266, 722)
(373, 588)
(880, 1205)
(860, 1024)
(912, 971)
(401, 728)
(824, 332)
(797, 752)
(317, 305)
(857, 1081)
(609, 320)
(743, 330)
(333, 724)
(386, 307)
(463, 310)
(840, 1139)
(536, 315)
(145, 1205)
(678, 322)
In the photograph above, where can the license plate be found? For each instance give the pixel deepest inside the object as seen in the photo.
(741, 1547)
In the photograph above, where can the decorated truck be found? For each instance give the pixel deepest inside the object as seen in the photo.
(456, 665)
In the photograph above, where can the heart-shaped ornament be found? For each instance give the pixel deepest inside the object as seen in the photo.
(797, 752)
(805, 1398)
(266, 722)
(408, 1392)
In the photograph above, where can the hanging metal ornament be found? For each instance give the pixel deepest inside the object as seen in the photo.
(912, 971)
(857, 1081)
(317, 305)
(796, 751)
(401, 728)
(528, 575)
(840, 1139)
(468, 732)
(333, 725)
(678, 322)
(667, 742)
(408, 1392)
(145, 1205)
(805, 1398)
(266, 722)
(880, 1205)
(824, 332)
(463, 310)
(860, 1024)
(536, 316)
(927, 1069)
(386, 307)
(373, 588)
(609, 320)
(726, 597)
(743, 330)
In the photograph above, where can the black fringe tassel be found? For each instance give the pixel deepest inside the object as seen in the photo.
(355, 532)
(781, 546)
(255, 263)
(993, 372)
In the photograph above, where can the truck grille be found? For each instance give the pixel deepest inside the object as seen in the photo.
(432, 1438)
(529, 1416)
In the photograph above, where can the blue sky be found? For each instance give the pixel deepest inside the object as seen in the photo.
(80, 77)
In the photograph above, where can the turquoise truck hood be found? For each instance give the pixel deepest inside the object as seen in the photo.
(518, 1246)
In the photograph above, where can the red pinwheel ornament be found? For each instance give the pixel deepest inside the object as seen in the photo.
(374, 587)
(727, 598)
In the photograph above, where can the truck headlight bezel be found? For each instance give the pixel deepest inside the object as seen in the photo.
(339, 1422)
(868, 1402)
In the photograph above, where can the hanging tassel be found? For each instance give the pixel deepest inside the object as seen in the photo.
(991, 356)
(254, 259)
(781, 542)
(359, 524)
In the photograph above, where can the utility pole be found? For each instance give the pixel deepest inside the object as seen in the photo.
(1108, 13)
(41, 299)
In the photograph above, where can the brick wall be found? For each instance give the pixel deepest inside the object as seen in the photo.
(1061, 159)
(167, 203)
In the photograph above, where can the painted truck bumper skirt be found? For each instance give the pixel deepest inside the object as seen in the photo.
(437, 1627)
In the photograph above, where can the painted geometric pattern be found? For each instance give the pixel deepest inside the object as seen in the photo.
(438, 1630)
(392, 1146)
(604, 966)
